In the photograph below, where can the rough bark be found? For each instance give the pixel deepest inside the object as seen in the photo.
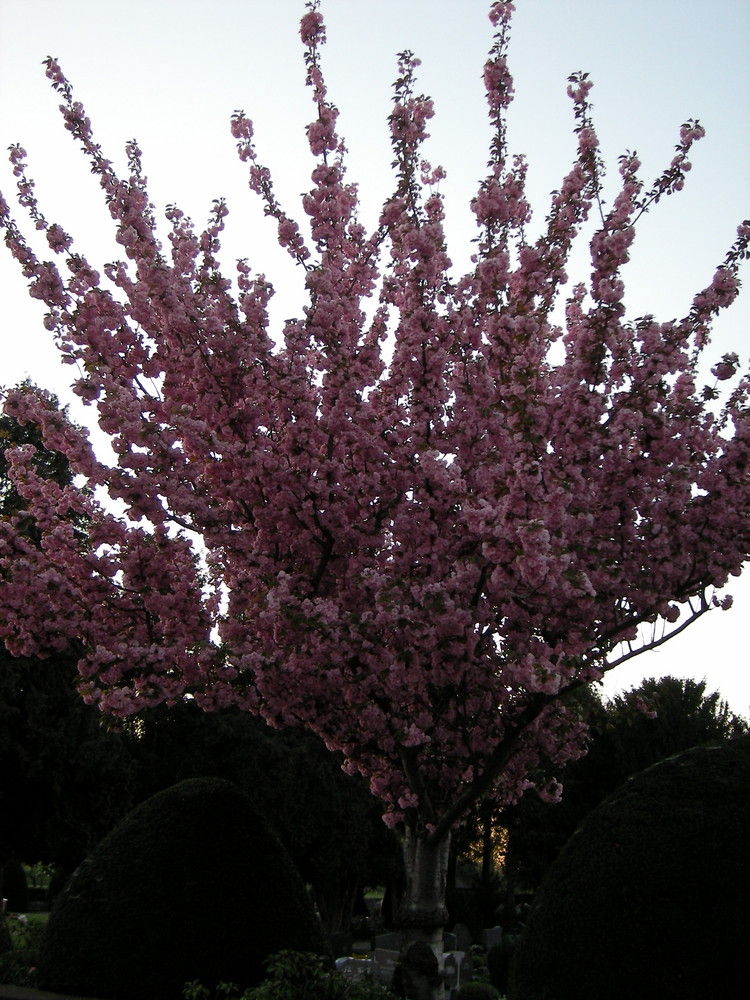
(423, 912)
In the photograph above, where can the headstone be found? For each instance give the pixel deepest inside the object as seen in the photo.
(341, 943)
(354, 968)
(491, 936)
(391, 941)
(464, 939)
(384, 962)
(451, 971)
(450, 942)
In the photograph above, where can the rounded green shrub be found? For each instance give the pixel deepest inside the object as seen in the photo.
(192, 885)
(299, 976)
(649, 898)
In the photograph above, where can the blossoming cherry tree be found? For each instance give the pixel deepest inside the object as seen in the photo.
(419, 516)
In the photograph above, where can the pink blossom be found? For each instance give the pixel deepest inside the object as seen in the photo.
(497, 79)
(724, 370)
(58, 239)
(312, 29)
(501, 11)
(321, 134)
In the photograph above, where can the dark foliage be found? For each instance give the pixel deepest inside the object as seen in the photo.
(65, 779)
(477, 991)
(649, 898)
(47, 464)
(19, 951)
(659, 718)
(499, 959)
(192, 885)
(326, 819)
(14, 886)
(304, 976)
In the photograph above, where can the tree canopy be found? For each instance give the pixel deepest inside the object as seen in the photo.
(421, 514)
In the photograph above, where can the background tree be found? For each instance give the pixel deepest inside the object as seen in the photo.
(326, 819)
(65, 778)
(657, 719)
(427, 513)
(48, 464)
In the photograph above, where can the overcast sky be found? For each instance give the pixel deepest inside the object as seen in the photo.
(171, 73)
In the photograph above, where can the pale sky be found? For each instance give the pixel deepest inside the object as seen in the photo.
(170, 74)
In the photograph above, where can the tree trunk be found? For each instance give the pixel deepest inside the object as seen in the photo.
(423, 913)
(335, 902)
(488, 859)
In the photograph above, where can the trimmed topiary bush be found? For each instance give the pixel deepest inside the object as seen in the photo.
(649, 898)
(192, 885)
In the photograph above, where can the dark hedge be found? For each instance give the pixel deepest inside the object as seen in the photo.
(191, 885)
(651, 896)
